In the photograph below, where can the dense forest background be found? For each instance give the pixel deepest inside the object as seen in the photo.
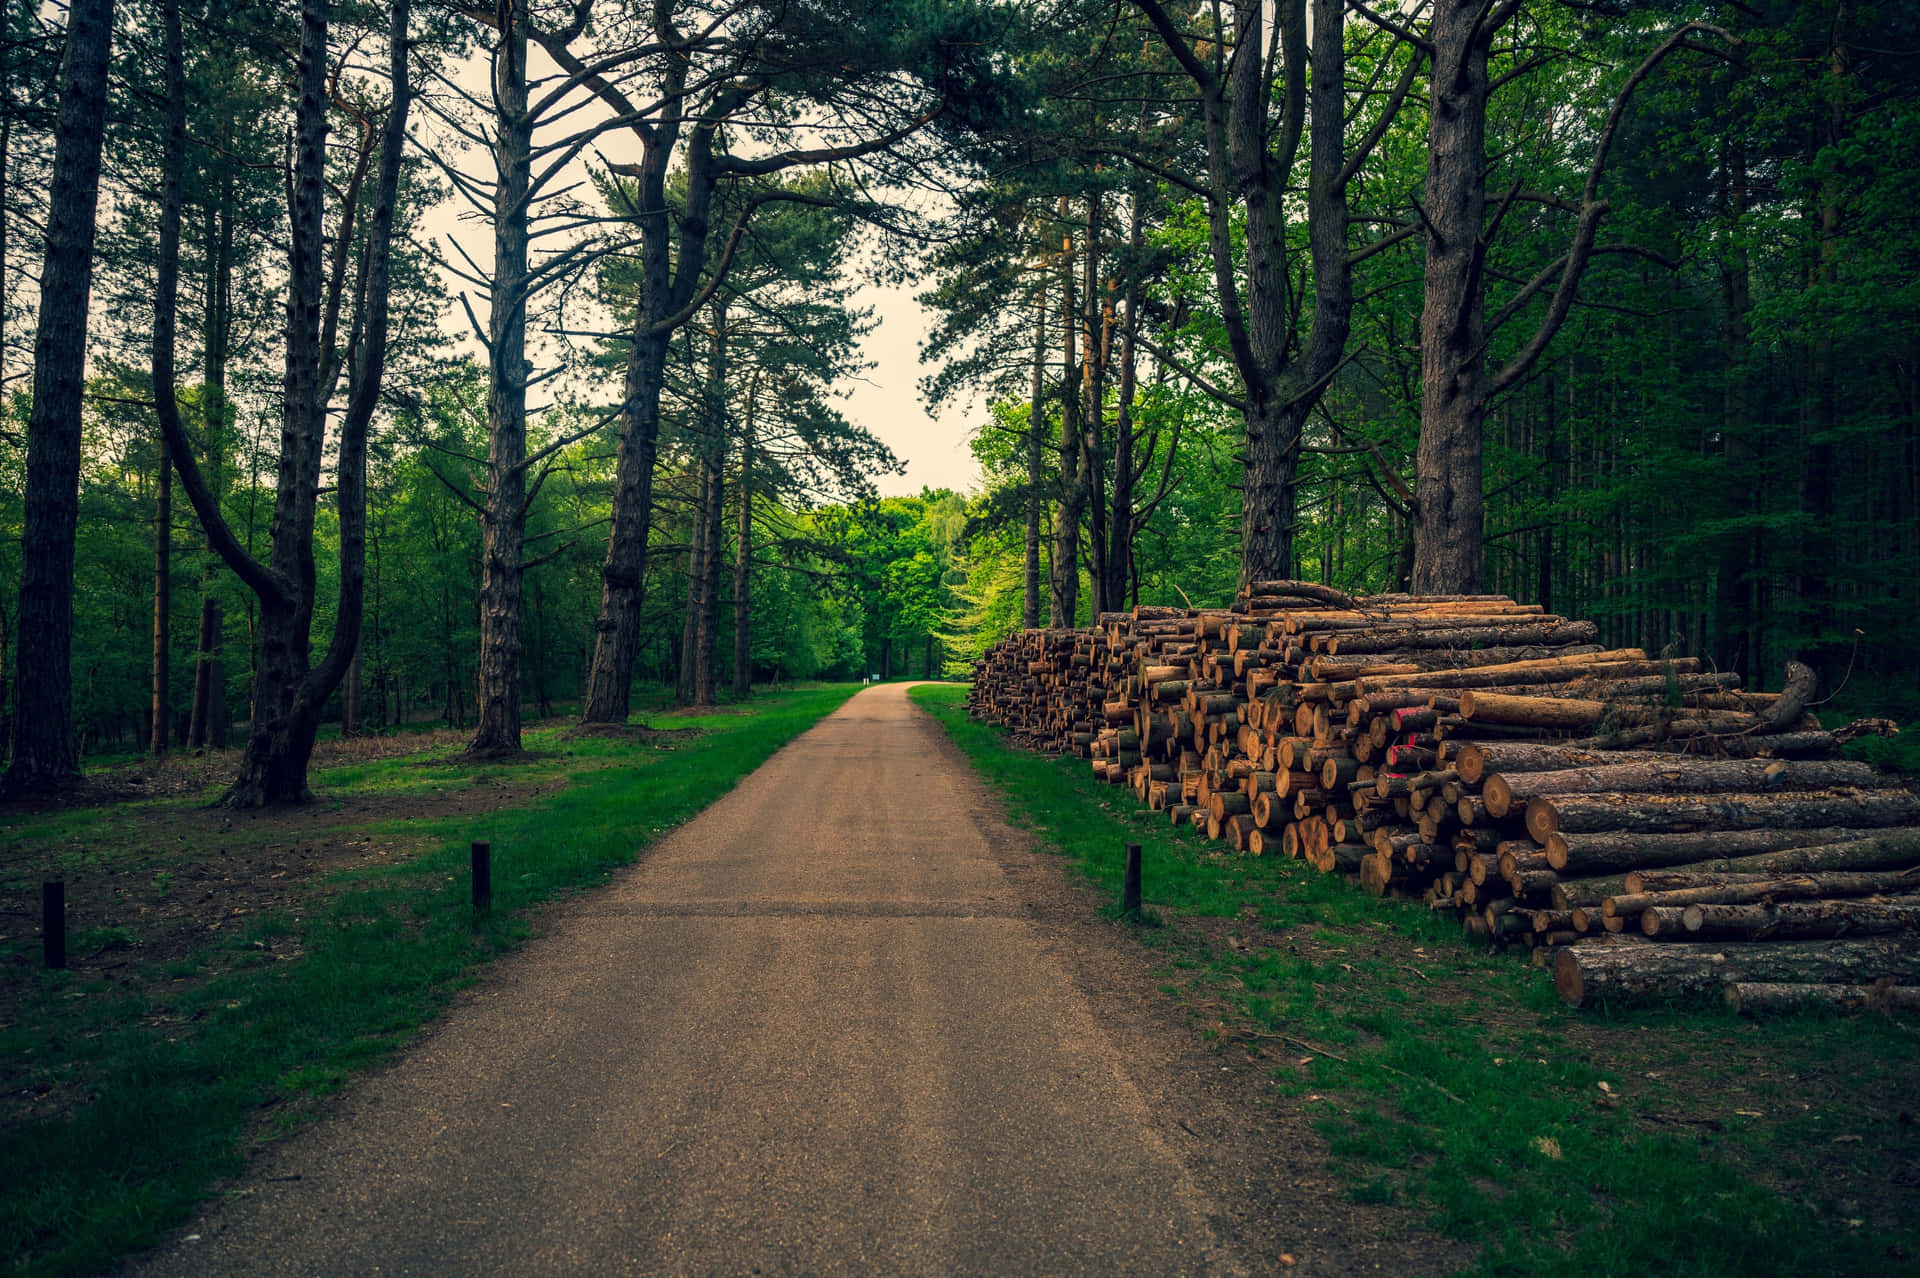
(1611, 307)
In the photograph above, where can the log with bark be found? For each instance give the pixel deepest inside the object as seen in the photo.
(1583, 975)
(1803, 920)
(1753, 998)
(1661, 813)
(1677, 774)
(1609, 852)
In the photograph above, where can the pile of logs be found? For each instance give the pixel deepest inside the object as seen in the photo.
(1643, 825)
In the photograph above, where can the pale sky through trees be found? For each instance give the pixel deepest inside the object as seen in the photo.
(886, 400)
(887, 403)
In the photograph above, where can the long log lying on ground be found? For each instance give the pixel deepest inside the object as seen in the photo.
(1583, 974)
(1607, 852)
(1887, 850)
(1742, 889)
(1517, 635)
(1478, 759)
(1759, 997)
(1662, 813)
(1573, 713)
(1550, 673)
(1795, 920)
(1676, 774)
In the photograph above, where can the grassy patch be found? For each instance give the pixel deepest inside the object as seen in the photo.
(135, 1088)
(1671, 1140)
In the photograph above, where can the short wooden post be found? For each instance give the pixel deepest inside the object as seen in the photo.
(1130, 886)
(482, 875)
(53, 922)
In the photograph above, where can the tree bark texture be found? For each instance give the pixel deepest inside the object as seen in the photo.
(1683, 813)
(162, 602)
(1095, 335)
(45, 754)
(713, 506)
(1449, 517)
(503, 520)
(1121, 523)
(743, 562)
(1063, 600)
(1585, 973)
(206, 721)
(1036, 471)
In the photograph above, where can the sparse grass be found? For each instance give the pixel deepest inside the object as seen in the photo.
(1676, 1139)
(144, 1092)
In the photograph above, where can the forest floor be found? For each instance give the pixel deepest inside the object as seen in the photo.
(1446, 1077)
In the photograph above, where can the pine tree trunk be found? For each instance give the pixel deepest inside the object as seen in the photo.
(623, 574)
(350, 699)
(1036, 447)
(697, 524)
(1095, 330)
(707, 622)
(1453, 374)
(707, 627)
(45, 754)
(1120, 523)
(1735, 622)
(503, 520)
(162, 602)
(743, 566)
(208, 695)
(1063, 599)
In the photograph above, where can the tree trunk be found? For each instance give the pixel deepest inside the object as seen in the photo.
(707, 623)
(1064, 597)
(162, 602)
(1036, 446)
(503, 521)
(1095, 330)
(743, 562)
(45, 754)
(206, 722)
(696, 581)
(350, 698)
(1453, 375)
(1736, 623)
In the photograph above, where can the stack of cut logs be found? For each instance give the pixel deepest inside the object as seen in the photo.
(1625, 816)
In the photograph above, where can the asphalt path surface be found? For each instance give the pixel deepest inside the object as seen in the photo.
(813, 1031)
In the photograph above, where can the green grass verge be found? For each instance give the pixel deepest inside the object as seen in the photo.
(174, 1085)
(1668, 1140)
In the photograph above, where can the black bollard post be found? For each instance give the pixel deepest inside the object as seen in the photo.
(1130, 887)
(482, 876)
(53, 922)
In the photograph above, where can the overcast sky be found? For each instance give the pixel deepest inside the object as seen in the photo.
(888, 402)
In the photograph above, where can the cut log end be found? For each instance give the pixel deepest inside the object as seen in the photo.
(1567, 979)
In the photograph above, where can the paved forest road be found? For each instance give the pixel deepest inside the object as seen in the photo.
(813, 1031)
